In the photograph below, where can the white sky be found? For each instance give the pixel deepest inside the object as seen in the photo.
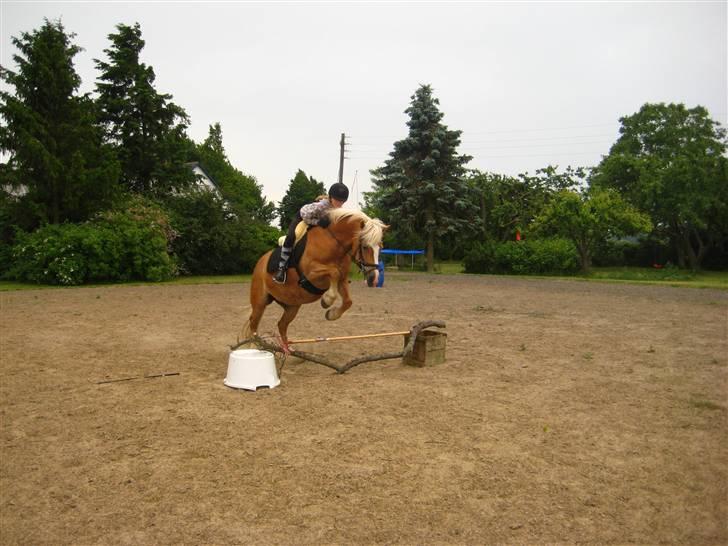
(528, 83)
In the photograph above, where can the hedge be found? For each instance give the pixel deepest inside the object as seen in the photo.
(533, 257)
(118, 247)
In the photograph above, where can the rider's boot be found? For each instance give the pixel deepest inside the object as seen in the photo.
(280, 275)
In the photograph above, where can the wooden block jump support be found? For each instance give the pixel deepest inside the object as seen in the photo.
(428, 350)
(421, 347)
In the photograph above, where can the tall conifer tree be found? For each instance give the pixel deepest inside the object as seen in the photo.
(56, 156)
(422, 186)
(145, 126)
(301, 190)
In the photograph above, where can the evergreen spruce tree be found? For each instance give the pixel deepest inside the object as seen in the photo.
(422, 187)
(301, 190)
(148, 130)
(56, 156)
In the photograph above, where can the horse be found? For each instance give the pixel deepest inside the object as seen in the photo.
(322, 271)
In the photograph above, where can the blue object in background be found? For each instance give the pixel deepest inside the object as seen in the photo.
(395, 252)
(380, 268)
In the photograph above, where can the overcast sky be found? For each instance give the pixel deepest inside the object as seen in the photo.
(528, 83)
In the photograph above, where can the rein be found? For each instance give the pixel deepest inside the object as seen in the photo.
(364, 267)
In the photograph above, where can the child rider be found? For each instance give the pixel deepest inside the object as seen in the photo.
(312, 214)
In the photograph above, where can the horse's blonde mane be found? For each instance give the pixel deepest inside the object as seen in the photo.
(373, 230)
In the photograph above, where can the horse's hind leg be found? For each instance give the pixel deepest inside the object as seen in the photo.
(251, 326)
(289, 313)
(259, 300)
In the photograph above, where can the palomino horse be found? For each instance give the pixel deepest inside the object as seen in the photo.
(322, 272)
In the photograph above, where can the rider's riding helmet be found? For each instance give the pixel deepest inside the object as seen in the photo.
(339, 191)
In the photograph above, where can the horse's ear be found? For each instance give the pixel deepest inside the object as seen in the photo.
(385, 227)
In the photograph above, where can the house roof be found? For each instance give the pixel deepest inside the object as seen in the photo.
(197, 165)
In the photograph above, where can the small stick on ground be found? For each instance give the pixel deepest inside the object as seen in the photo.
(132, 378)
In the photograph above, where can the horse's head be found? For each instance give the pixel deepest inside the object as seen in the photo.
(370, 232)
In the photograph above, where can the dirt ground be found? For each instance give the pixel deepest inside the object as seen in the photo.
(566, 412)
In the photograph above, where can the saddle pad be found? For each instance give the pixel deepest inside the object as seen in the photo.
(275, 257)
(301, 229)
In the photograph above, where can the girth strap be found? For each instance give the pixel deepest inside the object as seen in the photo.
(307, 285)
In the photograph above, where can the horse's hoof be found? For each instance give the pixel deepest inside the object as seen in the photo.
(329, 314)
(324, 304)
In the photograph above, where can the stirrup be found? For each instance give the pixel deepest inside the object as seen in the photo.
(280, 276)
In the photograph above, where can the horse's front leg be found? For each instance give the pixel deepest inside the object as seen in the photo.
(343, 290)
(332, 275)
(329, 297)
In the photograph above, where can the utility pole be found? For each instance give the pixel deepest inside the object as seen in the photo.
(342, 143)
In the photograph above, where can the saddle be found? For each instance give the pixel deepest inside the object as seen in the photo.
(298, 248)
(301, 230)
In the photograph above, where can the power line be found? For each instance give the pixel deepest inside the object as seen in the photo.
(519, 130)
(598, 152)
(540, 129)
(526, 139)
(602, 135)
(508, 146)
(497, 146)
(489, 156)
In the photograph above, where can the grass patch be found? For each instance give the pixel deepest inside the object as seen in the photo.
(672, 277)
(639, 275)
(208, 279)
(681, 277)
(449, 268)
(6, 286)
(706, 404)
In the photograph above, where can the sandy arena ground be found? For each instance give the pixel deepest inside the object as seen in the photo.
(567, 412)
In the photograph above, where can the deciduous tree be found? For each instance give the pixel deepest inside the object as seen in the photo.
(590, 218)
(242, 191)
(670, 162)
(510, 203)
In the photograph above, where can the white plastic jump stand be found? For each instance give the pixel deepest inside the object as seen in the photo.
(250, 368)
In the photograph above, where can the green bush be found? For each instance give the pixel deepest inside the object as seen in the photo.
(480, 258)
(115, 247)
(531, 257)
(211, 239)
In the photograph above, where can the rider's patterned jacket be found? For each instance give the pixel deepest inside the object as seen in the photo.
(313, 212)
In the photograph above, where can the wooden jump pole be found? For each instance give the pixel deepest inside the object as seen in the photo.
(344, 338)
(342, 368)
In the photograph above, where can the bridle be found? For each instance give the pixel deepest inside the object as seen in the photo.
(364, 267)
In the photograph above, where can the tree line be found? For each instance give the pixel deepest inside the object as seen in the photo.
(99, 186)
(659, 196)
